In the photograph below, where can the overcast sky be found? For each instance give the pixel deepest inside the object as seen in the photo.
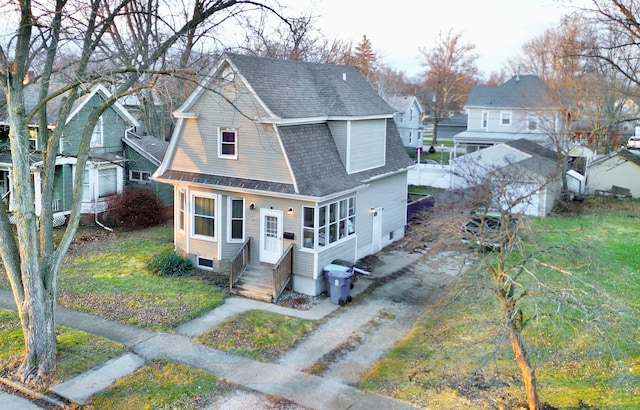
(397, 29)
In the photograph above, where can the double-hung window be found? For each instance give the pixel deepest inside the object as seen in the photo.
(97, 136)
(204, 215)
(182, 204)
(235, 212)
(328, 223)
(228, 143)
(485, 120)
(533, 122)
(505, 118)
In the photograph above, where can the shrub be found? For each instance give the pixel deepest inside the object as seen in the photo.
(135, 208)
(170, 264)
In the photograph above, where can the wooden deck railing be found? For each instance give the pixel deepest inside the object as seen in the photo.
(240, 260)
(282, 272)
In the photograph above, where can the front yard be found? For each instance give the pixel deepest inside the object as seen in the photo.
(105, 273)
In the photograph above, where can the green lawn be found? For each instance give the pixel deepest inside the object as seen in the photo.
(77, 351)
(582, 334)
(110, 278)
(258, 334)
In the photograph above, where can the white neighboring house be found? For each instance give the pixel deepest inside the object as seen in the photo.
(619, 168)
(520, 175)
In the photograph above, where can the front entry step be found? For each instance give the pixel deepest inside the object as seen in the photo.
(255, 283)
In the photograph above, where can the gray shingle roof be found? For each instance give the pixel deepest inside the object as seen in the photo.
(521, 91)
(533, 148)
(230, 182)
(297, 89)
(401, 103)
(151, 147)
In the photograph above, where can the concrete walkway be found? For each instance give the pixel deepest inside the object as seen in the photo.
(284, 379)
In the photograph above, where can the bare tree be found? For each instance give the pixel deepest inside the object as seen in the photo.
(80, 40)
(450, 72)
(489, 211)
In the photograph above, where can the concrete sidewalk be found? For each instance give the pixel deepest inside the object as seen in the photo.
(284, 379)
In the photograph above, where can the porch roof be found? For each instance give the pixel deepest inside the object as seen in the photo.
(227, 182)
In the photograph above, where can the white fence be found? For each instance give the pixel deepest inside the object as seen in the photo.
(433, 175)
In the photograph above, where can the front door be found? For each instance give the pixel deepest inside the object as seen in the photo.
(271, 242)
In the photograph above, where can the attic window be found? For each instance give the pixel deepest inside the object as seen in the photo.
(228, 74)
(228, 143)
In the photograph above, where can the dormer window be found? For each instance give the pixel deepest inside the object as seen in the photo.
(228, 143)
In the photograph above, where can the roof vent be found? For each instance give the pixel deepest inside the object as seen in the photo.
(344, 76)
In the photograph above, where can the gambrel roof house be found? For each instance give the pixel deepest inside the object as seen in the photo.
(408, 118)
(297, 161)
(521, 175)
(522, 107)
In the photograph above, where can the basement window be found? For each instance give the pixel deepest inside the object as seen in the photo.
(205, 263)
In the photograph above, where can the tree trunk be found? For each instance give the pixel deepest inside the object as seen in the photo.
(38, 322)
(528, 373)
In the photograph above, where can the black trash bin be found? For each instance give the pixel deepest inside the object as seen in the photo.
(339, 286)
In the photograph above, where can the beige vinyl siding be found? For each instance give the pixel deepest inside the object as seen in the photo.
(367, 145)
(259, 151)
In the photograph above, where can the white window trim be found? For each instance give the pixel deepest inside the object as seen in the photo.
(141, 179)
(94, 181)
(181, 200)
(230, 220)
(316, 225)
(505, 115)
(220, 143)
(100, 142)
(216, 215)
(484, 120)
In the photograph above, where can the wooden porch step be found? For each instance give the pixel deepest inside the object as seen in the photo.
(255, 283)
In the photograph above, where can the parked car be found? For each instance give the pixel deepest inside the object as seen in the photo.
(486, 229)
(633, 142)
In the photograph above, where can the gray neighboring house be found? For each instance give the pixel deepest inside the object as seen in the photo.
(451, 126)
(408, 118)
(286, 165)
(522, 107)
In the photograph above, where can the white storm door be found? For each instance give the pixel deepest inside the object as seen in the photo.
(271, 242)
